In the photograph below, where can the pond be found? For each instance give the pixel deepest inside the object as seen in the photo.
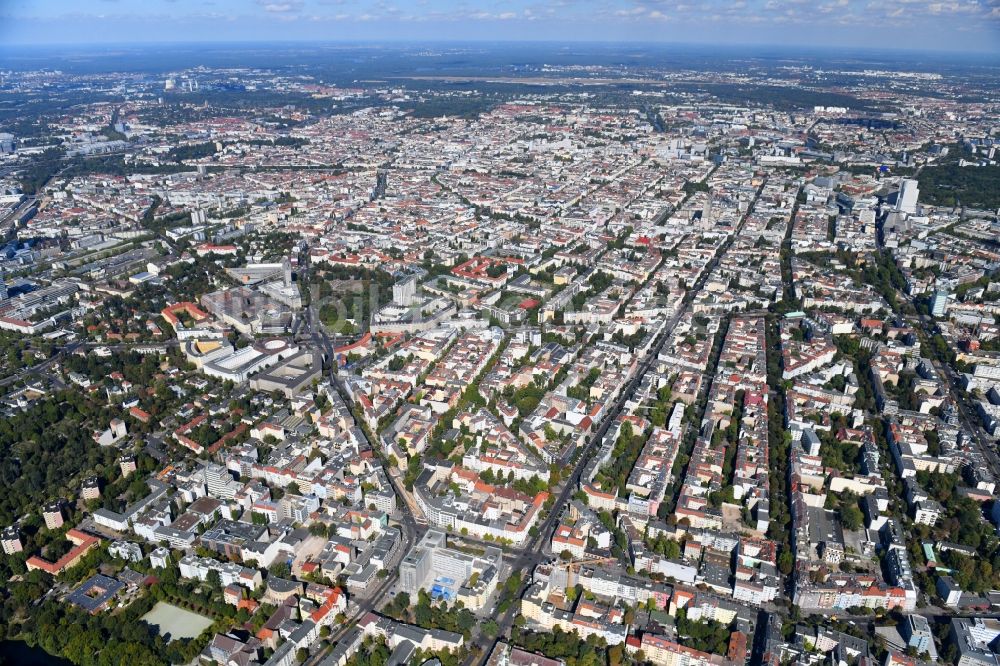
(22, 654)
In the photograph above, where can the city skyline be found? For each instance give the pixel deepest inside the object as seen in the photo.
(963, 26)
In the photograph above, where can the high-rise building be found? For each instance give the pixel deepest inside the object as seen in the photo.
(53, 515)
(91, 488)
(939, 302)
(413, 569)
(906, 200)
(11, 541)
(127, 464)
(118, 429)
(433, 566)
(404, 291)
(917, 632)
(219, 482)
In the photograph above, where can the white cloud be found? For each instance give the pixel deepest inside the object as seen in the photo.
(280, 6)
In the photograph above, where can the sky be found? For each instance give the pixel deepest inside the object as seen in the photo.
(948, 25)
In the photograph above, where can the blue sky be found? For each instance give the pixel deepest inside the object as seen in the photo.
(957, 25)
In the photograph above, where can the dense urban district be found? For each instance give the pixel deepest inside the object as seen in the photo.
(603, 367)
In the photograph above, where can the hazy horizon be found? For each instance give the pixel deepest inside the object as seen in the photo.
(347, 60)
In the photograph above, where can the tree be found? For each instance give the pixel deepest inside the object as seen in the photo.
(566, 555)
(786, 562)
(851, 516)
(422, 613)
(615, 654)
(512, 585)
(413, 468)
(280, 570)
(213, 578)
(466, 620)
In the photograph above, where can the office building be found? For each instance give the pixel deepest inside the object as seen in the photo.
(445, 572)
(906, 200)
(939, 302)
(219, 482)
(972, 638)
(916, 630)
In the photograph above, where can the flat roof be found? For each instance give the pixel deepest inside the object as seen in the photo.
(95, 592)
